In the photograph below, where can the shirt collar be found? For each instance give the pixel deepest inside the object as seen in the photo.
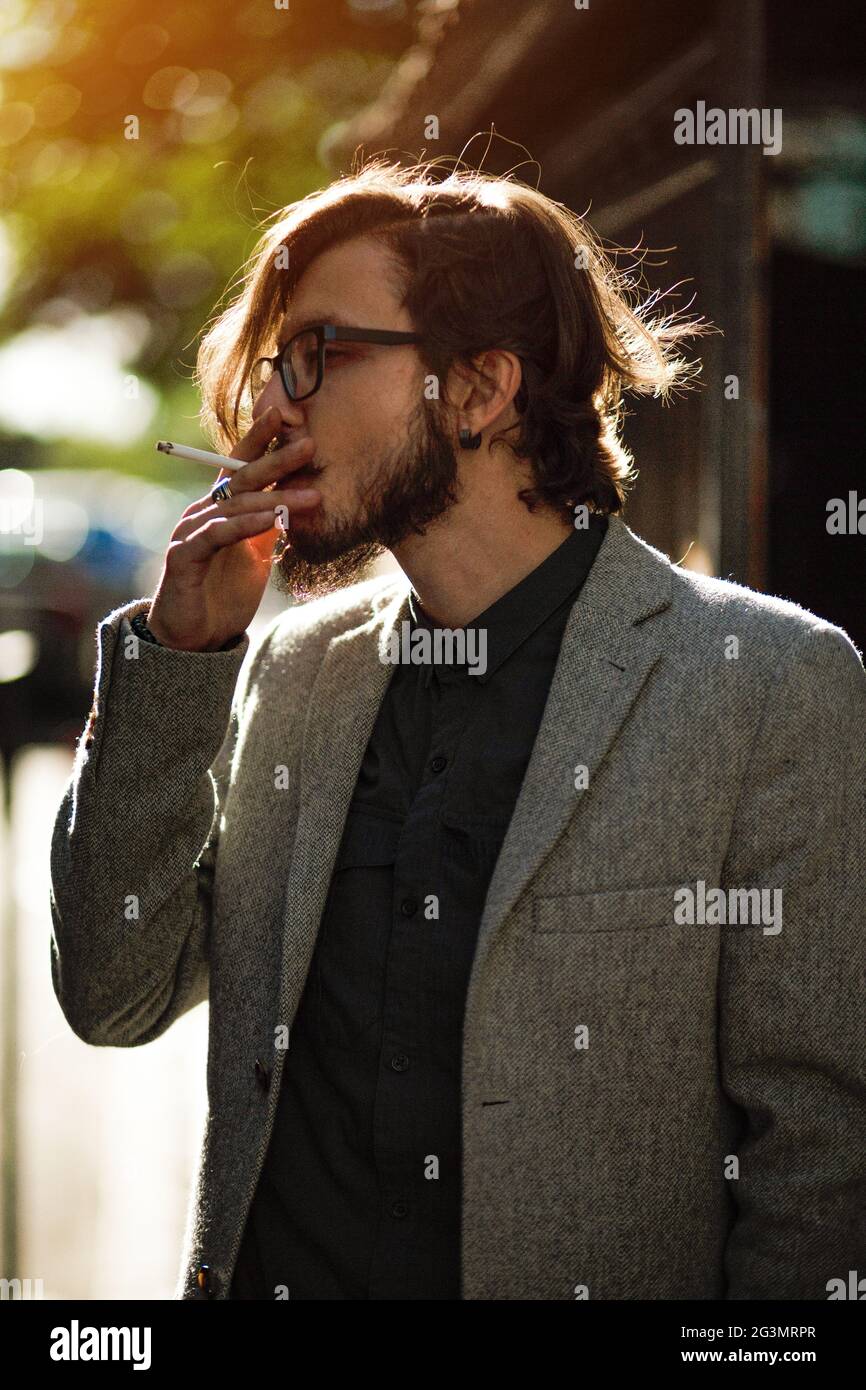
(511, 619)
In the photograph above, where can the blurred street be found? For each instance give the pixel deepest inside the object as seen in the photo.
(108, 1137)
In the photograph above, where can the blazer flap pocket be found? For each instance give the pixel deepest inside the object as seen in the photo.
(623, 909)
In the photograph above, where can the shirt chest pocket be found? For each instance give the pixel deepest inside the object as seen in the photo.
(350, 958)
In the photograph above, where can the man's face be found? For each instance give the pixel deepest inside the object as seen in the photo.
(382, 461)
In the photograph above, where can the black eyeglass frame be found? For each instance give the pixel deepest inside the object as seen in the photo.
(329, 333)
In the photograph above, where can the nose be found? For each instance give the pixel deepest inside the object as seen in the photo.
(292, 413)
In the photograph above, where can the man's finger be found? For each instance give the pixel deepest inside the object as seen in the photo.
(243, 504)
(222, 531)
(268, 468)
(257, 437)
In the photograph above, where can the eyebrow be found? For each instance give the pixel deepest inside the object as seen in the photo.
(288, 328)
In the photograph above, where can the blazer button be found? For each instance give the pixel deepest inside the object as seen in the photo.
(205, 1281)
(263, 1076)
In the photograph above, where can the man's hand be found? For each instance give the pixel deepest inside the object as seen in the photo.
(218, 560)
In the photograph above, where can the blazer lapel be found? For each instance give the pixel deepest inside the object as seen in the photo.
(345, 700)
(604, 660)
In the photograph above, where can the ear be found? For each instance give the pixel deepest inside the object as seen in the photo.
(481, 396)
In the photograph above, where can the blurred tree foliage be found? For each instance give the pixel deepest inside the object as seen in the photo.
(231, 102)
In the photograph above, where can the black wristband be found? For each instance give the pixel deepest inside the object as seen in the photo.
(138, 623)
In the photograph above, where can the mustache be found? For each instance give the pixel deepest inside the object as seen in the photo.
(280, 442)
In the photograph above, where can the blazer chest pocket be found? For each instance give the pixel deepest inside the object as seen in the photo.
(624, 909)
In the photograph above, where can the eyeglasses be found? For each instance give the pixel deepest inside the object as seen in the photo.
(301, 361)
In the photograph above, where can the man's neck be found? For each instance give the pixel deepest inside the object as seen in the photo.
(458, 569)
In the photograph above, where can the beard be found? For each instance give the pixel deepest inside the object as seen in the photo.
(408, 488)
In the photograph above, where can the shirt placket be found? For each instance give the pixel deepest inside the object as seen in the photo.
(411, 1124)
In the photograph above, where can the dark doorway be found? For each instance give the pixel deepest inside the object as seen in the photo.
(816, 435)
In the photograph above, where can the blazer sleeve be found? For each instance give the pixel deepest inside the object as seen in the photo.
(136, 835)
(792, 1041)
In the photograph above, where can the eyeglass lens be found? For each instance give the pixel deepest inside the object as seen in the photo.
(301, 358)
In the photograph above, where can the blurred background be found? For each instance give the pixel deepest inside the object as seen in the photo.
(140, 146)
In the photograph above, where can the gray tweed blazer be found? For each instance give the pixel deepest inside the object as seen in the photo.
(664, 1074)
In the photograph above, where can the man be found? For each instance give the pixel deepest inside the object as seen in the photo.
(525, 887)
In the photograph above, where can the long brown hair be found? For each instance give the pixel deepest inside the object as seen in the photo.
(480, 262)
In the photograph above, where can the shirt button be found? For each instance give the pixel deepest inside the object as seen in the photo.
(400, 1062)
(409, 907)
(399, 1209)
(438, 763)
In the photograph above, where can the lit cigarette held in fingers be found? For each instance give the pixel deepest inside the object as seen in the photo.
(185, 451)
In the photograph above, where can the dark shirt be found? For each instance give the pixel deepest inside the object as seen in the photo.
(359, 1195)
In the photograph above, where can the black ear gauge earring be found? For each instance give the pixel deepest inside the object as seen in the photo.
(468, 440)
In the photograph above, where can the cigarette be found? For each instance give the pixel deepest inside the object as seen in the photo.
(185, 451)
